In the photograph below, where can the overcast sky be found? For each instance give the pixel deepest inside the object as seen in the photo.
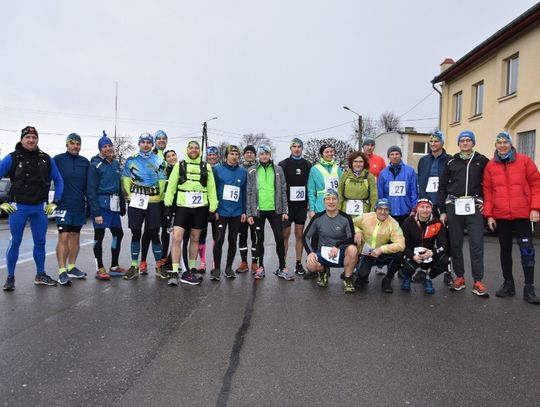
(278, 67)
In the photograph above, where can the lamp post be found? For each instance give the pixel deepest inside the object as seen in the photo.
(360, 127)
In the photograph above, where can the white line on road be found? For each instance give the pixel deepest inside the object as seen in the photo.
(3, 266)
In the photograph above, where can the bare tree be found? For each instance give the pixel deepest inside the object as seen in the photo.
(221, 150)
(342, 150)
(389, 121)
(369, 129)
(256, 139)
(123, 148)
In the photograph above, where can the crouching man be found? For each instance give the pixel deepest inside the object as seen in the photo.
(425, 248)
(380, 240)
(335, 246)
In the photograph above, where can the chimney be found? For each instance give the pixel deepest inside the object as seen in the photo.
(447, 63)
(410, 130)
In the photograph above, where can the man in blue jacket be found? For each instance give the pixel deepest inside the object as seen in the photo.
(30, 171)
(71, 211)
(231, 192)
(397, 183)
(107, 204)
(430, 167)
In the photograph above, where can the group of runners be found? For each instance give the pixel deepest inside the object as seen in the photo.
(370, 214)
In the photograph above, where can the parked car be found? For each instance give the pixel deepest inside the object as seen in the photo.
(5, 185)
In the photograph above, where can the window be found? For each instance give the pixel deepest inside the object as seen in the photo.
(458, 100)
(420, 147)
(478, 107)
(527, 143)
(512, 64)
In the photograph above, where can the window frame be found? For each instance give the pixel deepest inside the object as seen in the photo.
(511, 74)
(478, 100)
(458, 106)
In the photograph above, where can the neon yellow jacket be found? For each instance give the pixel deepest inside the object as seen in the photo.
(387, 235)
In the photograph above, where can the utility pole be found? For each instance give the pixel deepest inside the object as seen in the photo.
(360, 127)
(115, 112)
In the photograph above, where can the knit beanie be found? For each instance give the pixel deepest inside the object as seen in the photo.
(467, 134)
(504, 135)
(29, 130)
(437, 135)
(73, 137)
(368, 140)
(393, 149)
(103, 141)
(251, 148)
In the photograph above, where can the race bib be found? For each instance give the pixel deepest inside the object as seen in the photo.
(464, 206)
(231, 193)
(325, 250)
(139, 201)
(298, 194)
(60, 214)
(114, 203)
(432, 184)
(398, 188)
(330, 183)
(354, 207)
(194, 198)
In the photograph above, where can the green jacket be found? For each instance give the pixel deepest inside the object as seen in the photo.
(362, 187)
(192, 184)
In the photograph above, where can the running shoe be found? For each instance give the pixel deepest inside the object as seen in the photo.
(63, 278)
(309, 275)
(44, 279)
(117, 271)
(215, 275)
(299, 269)
(428, 286)
(386, 285)
(143, 268)
(529, 294)
(173, 279)
(243, 267)
(76, 273)
(348, 286)
(406, 284)
(480, 289)
(458, 284)
(101, 274)
(10, 284)
(379, 270)
(201, 269)
(260, 274)
(448, 280)
(189, 277)
(229, 272)
(285, 274)
(162, 273)
(507, 289)
(132, 273)
(322, 279)
(254, 268)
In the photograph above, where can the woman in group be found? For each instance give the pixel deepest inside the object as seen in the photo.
(357, 187)
(511, 205)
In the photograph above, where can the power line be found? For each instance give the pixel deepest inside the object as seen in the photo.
(424, 98)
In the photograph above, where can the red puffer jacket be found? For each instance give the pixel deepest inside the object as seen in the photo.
(511, 189)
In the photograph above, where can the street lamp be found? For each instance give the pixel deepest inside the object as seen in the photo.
(360, 126)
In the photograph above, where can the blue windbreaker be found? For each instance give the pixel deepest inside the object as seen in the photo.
(399, 205)
(236, 176)
(74, 169)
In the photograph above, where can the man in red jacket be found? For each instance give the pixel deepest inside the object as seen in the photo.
(512, 206)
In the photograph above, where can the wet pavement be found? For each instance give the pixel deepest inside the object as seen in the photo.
(244, 343)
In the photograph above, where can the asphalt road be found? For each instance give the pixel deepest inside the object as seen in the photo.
(245, 343)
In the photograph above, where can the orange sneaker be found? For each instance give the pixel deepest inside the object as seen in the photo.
(458, 284)
(480, 289)
(143, 268)
(101, 274)
(117, 271)
(254, 268)
(243, 267)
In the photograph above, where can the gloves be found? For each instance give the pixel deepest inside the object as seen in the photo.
(167, 212)
(8, 208)
(50, 208)
(122, 210)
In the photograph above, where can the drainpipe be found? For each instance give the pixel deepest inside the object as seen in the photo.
(440, 102)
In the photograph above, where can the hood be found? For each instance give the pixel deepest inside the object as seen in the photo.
(187, 158)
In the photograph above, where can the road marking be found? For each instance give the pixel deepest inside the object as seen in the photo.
(3, 266)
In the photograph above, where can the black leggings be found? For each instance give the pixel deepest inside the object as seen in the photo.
(243, 244)
(234, 225)
(99, 234)
(363, 268)
(277, 228)
(521, 229)
(438, 266)
(165, 240)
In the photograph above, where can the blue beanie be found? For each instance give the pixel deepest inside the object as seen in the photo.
(467, 134)
(504, 135)
(438, 135)
(264, 148)
(160, 133)
(103, 141)
(296, 140)
(212, 150)
(146, 137)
